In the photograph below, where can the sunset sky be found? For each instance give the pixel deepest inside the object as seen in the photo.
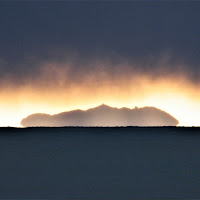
(61, 56)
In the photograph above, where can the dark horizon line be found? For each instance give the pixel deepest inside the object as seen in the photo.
(93, 127)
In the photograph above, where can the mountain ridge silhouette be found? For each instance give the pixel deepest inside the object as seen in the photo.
(103, 115)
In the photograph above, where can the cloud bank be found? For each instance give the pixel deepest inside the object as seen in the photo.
(57, 56)
(103, 116)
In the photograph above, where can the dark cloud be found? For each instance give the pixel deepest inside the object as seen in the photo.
(118, 38)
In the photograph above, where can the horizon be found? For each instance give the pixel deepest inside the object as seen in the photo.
(99, 99)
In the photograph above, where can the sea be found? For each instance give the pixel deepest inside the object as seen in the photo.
(100, 163)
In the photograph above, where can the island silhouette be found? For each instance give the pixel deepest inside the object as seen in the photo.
(103, 115)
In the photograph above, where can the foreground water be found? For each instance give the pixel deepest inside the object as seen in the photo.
(100, 163)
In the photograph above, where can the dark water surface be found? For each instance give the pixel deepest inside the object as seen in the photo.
(100, 163)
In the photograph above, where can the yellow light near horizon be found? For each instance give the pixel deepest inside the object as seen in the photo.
(179, 99)
(180, 107)
(188, 113)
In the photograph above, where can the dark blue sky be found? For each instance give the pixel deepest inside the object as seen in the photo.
(139, 32)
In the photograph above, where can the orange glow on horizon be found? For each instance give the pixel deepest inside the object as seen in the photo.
(175, 96)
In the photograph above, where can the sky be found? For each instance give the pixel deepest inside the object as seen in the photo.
(60, 56)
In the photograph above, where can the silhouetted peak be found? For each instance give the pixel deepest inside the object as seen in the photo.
(102, 107)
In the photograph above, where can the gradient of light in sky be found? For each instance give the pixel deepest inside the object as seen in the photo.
(59, 56)
(177, 97)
